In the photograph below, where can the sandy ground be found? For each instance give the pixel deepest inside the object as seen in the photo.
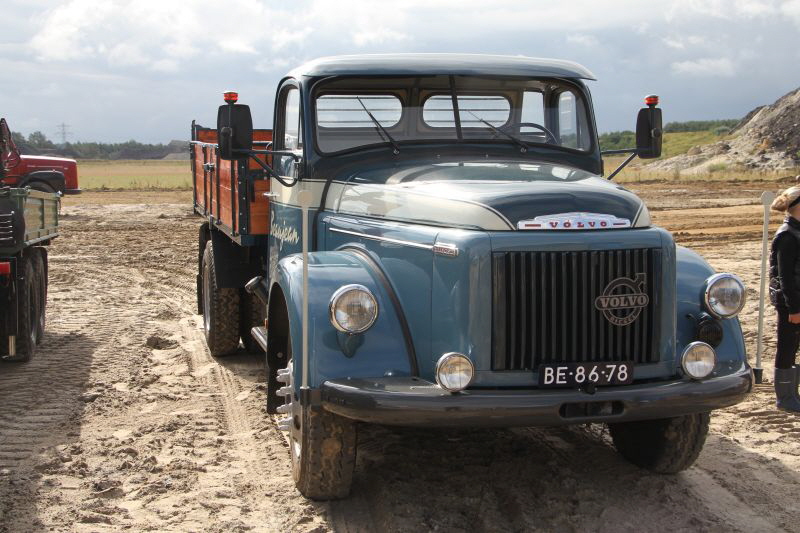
(123, 421)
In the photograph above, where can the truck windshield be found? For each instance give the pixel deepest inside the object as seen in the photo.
(354, 113)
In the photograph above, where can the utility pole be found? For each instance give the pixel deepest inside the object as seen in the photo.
(63, 132)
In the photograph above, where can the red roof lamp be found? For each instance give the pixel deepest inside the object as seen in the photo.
(651, 100)
(230, 97)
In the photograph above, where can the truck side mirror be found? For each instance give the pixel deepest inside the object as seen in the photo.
(649, 135)
(234, 131)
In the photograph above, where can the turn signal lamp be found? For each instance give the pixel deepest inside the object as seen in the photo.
(231, 97)
(651, 99)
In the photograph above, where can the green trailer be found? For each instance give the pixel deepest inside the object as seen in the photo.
(28, 223)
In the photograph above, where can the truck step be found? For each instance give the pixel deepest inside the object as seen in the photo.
(260, 335)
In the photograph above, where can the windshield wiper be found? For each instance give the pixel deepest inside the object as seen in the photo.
(522, 146)
(378, 125)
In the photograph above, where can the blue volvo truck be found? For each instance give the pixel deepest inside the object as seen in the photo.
(429, 240)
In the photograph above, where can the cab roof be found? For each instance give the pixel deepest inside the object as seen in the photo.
(441, 64)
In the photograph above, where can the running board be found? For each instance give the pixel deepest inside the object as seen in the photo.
(260, 335)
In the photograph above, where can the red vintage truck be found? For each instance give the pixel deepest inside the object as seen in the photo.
(42, 173)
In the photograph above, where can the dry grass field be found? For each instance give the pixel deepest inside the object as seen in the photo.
(134, 174)
(161, 175)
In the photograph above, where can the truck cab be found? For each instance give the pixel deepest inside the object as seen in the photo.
(443, 250)
(42, 173)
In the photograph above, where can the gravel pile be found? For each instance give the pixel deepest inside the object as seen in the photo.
(768, 138)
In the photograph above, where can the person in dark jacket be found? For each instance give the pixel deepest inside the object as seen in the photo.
(784, 293)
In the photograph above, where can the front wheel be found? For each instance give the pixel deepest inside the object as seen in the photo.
(322, 445)
(666, 445)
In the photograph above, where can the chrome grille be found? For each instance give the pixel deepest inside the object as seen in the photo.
(544, 308)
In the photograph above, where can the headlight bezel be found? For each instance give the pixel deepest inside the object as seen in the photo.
(336, 298)
(709, 285)
(690, 347)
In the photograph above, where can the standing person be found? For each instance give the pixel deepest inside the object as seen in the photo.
(784, 293)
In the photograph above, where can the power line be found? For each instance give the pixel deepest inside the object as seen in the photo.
(63, 132)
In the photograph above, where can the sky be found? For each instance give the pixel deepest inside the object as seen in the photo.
(115, 70)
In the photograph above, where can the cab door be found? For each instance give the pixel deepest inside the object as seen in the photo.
(289, 132)
(285, 212)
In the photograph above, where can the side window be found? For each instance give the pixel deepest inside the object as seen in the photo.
(532, 112)
(292, 132)
(571, 122)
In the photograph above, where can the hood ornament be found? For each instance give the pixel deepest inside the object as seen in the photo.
(574, 221)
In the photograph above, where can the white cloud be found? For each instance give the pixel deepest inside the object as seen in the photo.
(792, 10)
(583, 40)
(712, 67)
(377, 36)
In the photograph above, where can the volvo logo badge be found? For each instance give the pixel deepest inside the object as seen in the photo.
(623, 299)
(574, 221)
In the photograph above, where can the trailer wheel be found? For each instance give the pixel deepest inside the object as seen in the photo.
(27, 311)
(41, 283)
(253, 313)
(665, 446)
(322, 446)
(220, 310)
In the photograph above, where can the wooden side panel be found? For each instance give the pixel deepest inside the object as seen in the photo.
(216, 191)
(259, 204)
(226, 175)
(199, 177)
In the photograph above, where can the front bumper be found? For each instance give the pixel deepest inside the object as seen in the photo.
(405, 401)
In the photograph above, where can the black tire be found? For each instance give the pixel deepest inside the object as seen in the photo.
(322, 446)
(40, 271)
(220, 310)
(253, 313)
(665, 446)
(27, 311)
(42, 186)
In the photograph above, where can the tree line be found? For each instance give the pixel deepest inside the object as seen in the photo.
(618, 140)
(37, 143)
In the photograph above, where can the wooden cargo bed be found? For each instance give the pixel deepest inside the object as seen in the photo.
(231, 194)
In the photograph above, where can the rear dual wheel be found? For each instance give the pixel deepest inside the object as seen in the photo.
(30, 306)
(220, 309)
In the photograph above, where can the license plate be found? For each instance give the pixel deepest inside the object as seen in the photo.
(582, 374)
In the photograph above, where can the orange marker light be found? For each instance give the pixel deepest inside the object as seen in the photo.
(651, 99)
(230, 97)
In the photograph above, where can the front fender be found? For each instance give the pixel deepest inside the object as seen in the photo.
(693, 271)
(382, 350)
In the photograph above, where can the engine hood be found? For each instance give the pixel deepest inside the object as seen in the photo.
(488, 196)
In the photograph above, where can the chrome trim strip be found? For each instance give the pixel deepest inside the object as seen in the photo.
(384, 239)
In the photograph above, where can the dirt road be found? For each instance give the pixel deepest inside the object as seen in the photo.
(124, 422)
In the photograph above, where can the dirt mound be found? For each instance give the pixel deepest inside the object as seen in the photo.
(768, 138)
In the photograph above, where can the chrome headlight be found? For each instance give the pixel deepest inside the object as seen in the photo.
(353, 309)
(724, 295)
(698, 360)
(454, 372)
